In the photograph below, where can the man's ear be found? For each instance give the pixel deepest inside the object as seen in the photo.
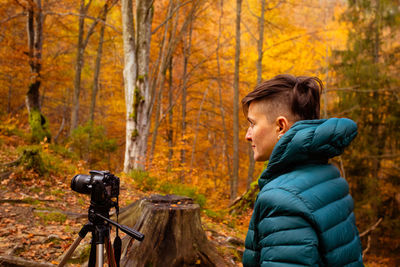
(282, 125)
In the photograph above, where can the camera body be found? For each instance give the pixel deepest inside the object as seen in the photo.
(85, 184)
(103, 188)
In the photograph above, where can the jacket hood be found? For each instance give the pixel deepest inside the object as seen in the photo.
(309, 141)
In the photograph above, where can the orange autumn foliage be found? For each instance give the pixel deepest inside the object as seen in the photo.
(299, 37)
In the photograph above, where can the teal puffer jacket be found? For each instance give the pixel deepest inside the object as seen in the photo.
(303, 215)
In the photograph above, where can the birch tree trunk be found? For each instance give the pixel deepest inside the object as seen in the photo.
(235, 176)
(38, 123)
(137, 93)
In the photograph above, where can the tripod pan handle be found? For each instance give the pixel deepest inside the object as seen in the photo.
(132, 233)
(135, 234)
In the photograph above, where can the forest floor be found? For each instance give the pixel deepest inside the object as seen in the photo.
(40, 216)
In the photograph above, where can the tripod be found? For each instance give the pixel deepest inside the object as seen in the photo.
(103, 188)
(100, 230)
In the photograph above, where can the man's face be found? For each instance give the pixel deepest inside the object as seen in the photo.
(262, 134)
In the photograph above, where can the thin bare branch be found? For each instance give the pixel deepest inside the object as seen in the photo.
(170, 16)
(22, 14)
(372, 228)
(346, 111)
(251, 12)
(293, 38)
(276, 6)
(87, 6)
(98, 20)
(249, 31)
(20, 4)
(368, 246)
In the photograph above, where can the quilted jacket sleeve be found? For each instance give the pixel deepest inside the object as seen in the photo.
(284, 235)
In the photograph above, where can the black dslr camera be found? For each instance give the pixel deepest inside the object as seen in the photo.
(102, 186)
(85, 184)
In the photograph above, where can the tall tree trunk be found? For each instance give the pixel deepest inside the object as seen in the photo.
(96, 75)
(378, 118)
(137, 93)
(38, 123)
(250, 171)
(186, 54)
(97, 67)
(78, 65)
(183, 104)
(163, 57)
(235, 176)
(170, 131)
(144, 16)
(221, 106)
(81, 46)
(130, 74)
(9, 95)
(327, 13)
(192, 159)
(260, 43)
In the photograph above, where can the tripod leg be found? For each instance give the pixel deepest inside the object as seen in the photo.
(92, 256)
(99, 255)
(70, 251)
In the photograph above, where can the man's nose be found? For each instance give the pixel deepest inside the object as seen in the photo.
(248, 134)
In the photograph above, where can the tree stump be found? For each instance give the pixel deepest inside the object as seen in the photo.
(173, 234)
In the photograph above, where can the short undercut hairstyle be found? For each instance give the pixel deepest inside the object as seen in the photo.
(285, 93)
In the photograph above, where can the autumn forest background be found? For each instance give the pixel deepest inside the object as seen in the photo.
(151, 92)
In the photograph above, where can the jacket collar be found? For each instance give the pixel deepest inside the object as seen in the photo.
(309, 141)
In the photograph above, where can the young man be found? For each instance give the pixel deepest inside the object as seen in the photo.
(303, 215)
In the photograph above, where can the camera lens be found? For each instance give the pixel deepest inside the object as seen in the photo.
(80, 184)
